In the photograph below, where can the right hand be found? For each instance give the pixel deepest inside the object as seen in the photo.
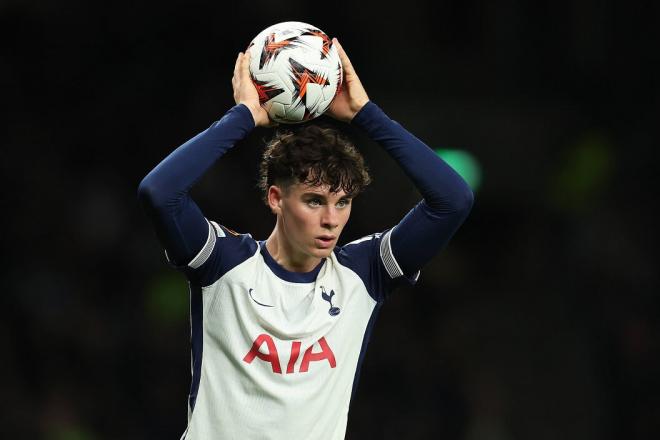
(352, 96)
(246, 93)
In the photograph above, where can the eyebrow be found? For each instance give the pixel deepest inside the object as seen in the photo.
(322, 196)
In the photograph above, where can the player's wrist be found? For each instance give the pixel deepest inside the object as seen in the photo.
(257, 113)
(357, 106)
(360, 111)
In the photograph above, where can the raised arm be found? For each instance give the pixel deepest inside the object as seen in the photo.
(164, 192)
(429, 226)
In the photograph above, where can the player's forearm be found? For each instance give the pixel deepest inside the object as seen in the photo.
(164, 192)
(429, 226)
(442, 188)
(171, 179)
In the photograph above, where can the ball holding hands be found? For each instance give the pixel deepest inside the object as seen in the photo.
(246, 93)
(352, 96)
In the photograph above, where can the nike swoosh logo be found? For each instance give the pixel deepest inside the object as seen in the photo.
(261, 304)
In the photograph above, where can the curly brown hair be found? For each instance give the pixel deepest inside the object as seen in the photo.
(314, 155)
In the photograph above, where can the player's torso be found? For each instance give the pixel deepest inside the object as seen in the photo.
(279, 358)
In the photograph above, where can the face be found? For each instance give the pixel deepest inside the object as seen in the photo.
(311, 217)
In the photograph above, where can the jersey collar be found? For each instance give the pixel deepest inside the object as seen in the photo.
(286, 275)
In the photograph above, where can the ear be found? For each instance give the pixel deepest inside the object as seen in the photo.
(275, 196)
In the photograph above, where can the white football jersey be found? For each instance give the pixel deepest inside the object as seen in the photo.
(276, 354)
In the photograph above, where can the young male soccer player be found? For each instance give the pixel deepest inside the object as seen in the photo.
(280, 326)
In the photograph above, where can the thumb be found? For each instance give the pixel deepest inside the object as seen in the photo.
(345, 61)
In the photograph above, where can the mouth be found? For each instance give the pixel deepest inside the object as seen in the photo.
(325, 241)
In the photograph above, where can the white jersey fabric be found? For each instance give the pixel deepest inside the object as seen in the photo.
(276, 354)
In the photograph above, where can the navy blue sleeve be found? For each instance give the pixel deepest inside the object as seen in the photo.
(224, 249)
(180, 225)
(447, 199)
(371, 258)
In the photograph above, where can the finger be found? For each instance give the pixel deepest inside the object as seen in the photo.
(345, 61)
(237, 65)
(245, 68)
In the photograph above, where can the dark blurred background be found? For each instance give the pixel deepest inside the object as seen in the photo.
(540, 320)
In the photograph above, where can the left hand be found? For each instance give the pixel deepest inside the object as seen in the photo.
(352, 96)
(246, 93)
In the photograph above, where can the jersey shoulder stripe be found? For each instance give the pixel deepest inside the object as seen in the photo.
(206, 250)
(223, 250)
(371, 258)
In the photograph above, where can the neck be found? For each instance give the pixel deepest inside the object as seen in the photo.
(286, 255)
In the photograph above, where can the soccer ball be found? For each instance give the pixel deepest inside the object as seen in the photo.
(296, 70)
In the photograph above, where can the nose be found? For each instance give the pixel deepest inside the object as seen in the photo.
(330, 218)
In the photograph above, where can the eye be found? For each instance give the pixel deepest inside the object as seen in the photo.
(314, 202)
(343, 203)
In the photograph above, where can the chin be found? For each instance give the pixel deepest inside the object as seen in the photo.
(322, 253)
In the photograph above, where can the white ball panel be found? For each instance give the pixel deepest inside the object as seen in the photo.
(313, 96)
(328, 92)
(295, 112)
(277, 110)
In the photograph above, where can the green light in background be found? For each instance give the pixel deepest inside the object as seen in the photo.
(70, 433)
(464, 163)
(167, 298)
(585, 170)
